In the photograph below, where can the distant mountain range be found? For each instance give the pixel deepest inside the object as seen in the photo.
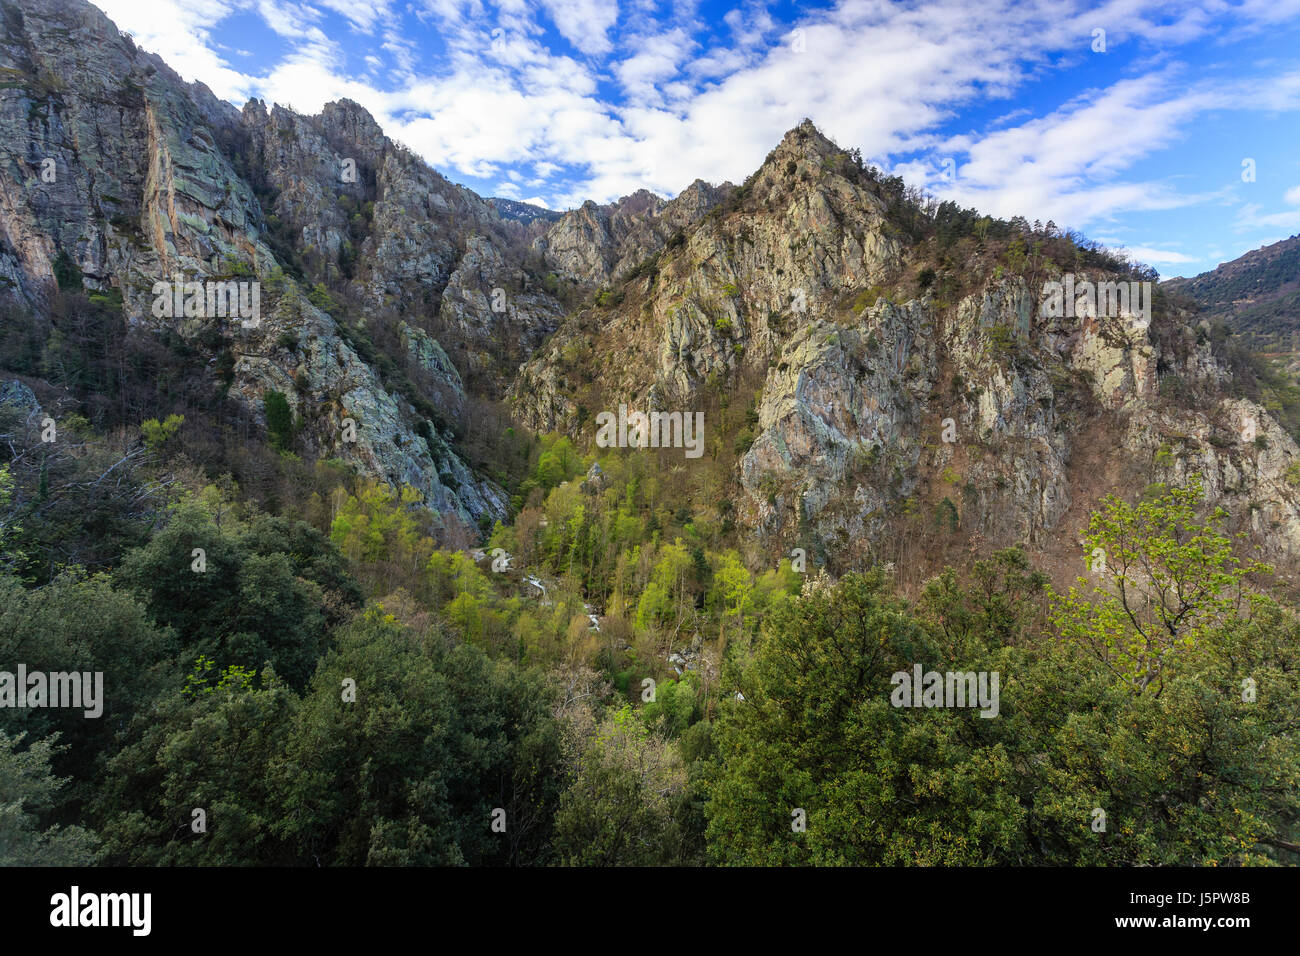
(1258, 293)
(522, 211)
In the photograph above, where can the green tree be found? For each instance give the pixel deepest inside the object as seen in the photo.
(676, 704)
(815, 738)
(1165, 576)
(735, 587)
(80, 623)
(27, 789)
(410, 772)
(247, 594)
(621, 808)
(208, 746)
(157, 434)
(279, 420)
(11, 558)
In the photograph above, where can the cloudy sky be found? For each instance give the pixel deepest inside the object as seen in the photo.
(1169, 129)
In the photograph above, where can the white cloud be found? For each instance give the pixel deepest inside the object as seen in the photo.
(884, 77)
(1157, 257)
(1251, 217)
(363, 16)
(584, 23)
(180, 31)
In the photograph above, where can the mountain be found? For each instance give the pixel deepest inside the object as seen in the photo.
(832, 325)
(595, 244)
(384, 286)
(830, 330)
(322, 484)
(522, 211)
(1257, 294)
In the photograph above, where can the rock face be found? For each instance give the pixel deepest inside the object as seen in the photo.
(115, 172)
(887, 382)
(967, 410)
(345, 198)
(20, 399)
(596, 244)
(730, 293)
(110, 162)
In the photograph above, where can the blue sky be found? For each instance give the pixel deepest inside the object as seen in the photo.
(1138, 122)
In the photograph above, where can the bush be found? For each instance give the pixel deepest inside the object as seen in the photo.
(279, 420)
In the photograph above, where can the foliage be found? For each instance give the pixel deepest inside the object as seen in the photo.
(411, 772)
(1167, 576)
(156, 434)
(279, 420)
(27, 787)
(620, 809)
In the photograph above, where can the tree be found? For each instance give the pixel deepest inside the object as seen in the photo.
(80, 623)
(815, 740)
(675, 704)
(28, 788)
(1166, 575)
(157, 434)
(241, 593)
(1202, 772)
(621, 808)
(735, 586)
(1004, 596)
(207, 746)
(385, 535)
(411, 770)
(10, 557)
(279, 420)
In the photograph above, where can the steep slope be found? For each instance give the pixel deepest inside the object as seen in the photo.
(1257, 294)
(116, 176)
(595, 244)
(407, 242)
(877, 372)
(908, 394)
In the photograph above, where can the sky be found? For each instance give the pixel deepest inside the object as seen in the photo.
(1170, 130)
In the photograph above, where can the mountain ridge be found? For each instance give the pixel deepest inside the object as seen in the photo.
(827, 318)
(1258, 293)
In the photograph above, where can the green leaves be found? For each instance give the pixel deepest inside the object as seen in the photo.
(1162, 576)
(623, 805)
(1201, 768)
(157, 433)
(410, 773)
(279, 420)
(27, 787)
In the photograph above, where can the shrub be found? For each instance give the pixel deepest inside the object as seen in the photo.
(279, 420)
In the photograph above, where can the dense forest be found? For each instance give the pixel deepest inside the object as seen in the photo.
(323, 683)
(476, 635)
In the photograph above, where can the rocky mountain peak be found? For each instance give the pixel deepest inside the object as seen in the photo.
(843, 321)
(804, 141)
(640, 203)
(824, 297)
(347, 123)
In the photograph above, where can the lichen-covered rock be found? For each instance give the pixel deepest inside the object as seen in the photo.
(597, 244)
(979, 414)
(115, 174)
